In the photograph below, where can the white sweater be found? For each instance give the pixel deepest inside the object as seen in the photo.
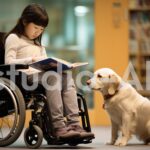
(21, 50)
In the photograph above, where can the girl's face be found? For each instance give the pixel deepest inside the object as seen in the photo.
(32, 31)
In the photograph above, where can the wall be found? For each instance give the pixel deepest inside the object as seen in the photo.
(111, 45)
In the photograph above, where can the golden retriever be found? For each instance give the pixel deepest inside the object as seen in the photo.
(129, 111)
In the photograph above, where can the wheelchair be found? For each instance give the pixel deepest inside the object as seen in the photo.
(15, 101)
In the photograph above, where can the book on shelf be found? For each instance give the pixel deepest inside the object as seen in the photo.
(55, 64)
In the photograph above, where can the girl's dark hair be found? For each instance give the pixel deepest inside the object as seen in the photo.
(33, 13)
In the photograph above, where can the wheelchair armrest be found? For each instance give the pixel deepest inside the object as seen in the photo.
(7, 67)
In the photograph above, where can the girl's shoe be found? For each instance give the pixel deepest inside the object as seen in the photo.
(66, 133)
(83, 134)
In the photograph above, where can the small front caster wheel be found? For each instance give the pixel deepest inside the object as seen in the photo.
(33, 137)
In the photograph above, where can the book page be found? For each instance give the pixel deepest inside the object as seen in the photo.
(78, 64)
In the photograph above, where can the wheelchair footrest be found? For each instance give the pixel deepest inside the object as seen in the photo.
(71, 142)
(80, 141)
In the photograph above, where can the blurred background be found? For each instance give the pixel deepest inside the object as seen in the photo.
(105, 33)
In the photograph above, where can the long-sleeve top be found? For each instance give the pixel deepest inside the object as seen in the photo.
(21, 50)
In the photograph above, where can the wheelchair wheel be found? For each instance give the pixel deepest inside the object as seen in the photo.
(33, 137)
(12, 112)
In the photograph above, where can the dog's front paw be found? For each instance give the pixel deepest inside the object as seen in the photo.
(120, 143)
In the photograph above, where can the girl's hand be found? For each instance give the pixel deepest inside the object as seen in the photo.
(37, 58)
(34, 59)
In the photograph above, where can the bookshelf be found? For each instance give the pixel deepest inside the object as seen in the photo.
(139, 39)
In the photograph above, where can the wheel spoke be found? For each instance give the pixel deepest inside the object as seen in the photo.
(12, 115)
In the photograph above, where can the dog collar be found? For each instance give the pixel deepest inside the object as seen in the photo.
(106, 98)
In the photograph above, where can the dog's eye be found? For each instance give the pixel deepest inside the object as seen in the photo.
(99, 76)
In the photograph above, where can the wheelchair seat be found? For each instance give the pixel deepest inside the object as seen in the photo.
(15, 100)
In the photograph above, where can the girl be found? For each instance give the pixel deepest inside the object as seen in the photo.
(23, 46)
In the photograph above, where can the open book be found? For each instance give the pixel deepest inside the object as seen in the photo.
(55, 64)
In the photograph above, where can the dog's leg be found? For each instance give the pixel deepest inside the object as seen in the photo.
(114, 133)
(125, 129)
(147, 140)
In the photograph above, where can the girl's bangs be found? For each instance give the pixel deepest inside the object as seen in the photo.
(41, 21)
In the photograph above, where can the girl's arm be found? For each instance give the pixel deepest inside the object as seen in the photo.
(11, 45)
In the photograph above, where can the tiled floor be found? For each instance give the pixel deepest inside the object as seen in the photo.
(102, 136)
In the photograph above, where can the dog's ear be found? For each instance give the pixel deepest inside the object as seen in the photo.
(111, 90)
(113, 85)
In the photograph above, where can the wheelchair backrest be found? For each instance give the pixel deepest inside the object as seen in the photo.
(2, 49)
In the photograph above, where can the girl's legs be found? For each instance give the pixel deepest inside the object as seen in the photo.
(52, 82)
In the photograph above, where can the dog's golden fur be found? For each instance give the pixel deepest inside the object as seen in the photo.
(128, 110)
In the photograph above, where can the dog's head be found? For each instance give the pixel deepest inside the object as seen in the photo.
(105, 80)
